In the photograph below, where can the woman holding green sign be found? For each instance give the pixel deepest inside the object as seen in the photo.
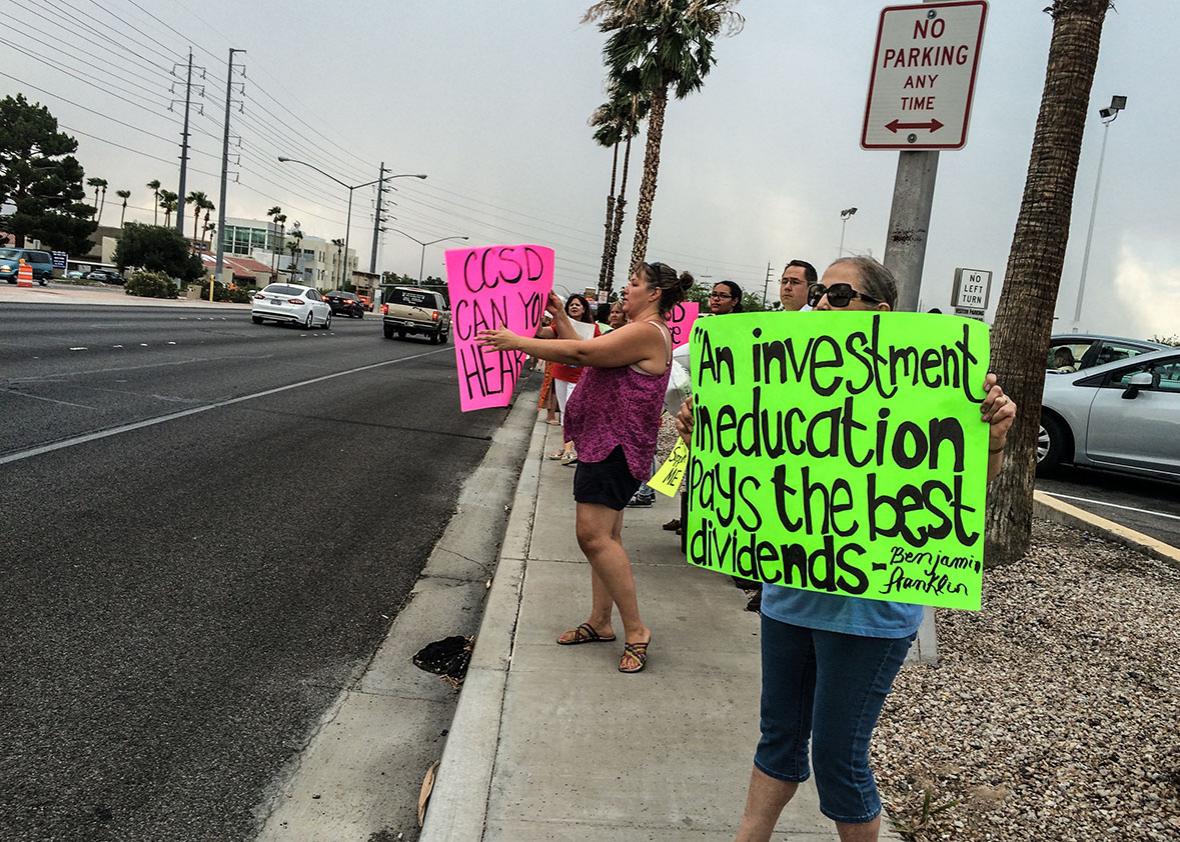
(828, 661)
(613, 418)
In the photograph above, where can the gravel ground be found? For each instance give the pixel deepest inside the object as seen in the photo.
(1054, 713)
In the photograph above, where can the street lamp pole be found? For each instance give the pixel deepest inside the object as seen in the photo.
(350, 188)
(422, 260)
(1108, 115)
(845, 215)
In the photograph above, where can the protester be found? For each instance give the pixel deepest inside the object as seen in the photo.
(616, 317)
(726, 297)
(828, 662)
(798, 277)
(614, 423)
(565, 377)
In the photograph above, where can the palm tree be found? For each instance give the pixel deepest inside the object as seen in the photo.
(273, 216)
(295, 245)
(281, 219)
(168, 201)
(98, 184)
(154, 186)
(632, 109)
(665, 44)
(124, 195)
(607, 133)
(209, 208)
(198, 200)
(1024, 320)
(209, 229)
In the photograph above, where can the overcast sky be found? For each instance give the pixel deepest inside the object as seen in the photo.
(491, 100)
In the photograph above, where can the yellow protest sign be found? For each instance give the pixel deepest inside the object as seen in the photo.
(668, 478)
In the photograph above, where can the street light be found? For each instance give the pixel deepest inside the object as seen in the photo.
(1108, 115)
(845, 215)
(422, 262)
(349, 188)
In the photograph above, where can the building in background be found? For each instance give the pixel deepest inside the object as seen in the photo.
(320, 264)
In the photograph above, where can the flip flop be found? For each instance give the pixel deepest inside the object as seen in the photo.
(638, 651)
(584, 633)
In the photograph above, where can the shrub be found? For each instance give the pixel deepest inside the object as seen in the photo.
(150, 285)
(234, 295)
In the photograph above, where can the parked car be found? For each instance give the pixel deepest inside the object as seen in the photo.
(1123, 416)
(414, 310)
(75, 275)
(367, 301)
(292, 304)
(107, 276)
(1070, 352)
(41, 262)
(345, 303)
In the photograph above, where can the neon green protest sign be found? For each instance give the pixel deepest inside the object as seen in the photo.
(841, 452)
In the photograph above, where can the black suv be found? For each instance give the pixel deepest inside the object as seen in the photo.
(345, 303)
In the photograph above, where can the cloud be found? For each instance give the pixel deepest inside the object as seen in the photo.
(1149, 289)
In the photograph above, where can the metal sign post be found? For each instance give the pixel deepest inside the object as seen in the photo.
(920, 91)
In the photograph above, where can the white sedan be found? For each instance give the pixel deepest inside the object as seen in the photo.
(290, 303)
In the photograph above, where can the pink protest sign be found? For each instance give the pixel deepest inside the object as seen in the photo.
(680, 321)
(491, 287)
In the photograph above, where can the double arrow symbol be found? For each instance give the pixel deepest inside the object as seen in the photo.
(933, 125)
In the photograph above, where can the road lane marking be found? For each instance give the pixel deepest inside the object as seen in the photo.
(80, 349)
(1112, 505)
(151, 422)
(47, 400)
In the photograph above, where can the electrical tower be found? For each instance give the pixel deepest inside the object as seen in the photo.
(229, 90)
(184, 136)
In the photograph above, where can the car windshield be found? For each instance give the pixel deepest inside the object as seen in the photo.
(38, 257)
(280, 289)
(412, 298)
(9, 253)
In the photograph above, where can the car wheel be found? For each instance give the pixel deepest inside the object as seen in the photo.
(1051, 443)
(443, 337)
(361, 314)
(307, 323)
(401, 334)
(388, 331)
(327, 321)
(256, 319)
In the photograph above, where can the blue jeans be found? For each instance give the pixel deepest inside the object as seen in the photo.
(828, 688)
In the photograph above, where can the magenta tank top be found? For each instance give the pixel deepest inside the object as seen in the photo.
(618, 407)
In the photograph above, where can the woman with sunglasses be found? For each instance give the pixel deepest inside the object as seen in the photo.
(613, 418)
(726, 297)
(828, 662)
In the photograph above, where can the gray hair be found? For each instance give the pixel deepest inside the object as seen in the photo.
(876, 279)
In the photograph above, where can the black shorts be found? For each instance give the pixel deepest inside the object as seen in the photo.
(607, 483)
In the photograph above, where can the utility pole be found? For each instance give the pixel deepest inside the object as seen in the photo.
(766, 286)
(377, 220)
(229, 82)
(184, 136)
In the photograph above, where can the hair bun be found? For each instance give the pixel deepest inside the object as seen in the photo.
(686, 281)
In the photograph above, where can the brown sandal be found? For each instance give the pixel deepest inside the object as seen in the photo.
(638, 651)
(584, 633)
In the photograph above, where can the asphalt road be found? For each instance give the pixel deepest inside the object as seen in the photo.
(180, 601)
(1144, 505)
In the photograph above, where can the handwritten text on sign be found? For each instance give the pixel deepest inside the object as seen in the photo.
(842, 453)
(680, 321)
(492, 287)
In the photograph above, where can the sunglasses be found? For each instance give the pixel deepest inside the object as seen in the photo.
(839, 295)
(721, 296)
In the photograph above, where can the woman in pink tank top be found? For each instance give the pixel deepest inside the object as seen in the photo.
(613, 418)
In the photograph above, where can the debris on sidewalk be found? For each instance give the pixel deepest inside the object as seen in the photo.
(424, 792)
(447, 658)
(1052, 715)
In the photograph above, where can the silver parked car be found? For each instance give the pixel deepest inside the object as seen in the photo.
(1122, 416)
(1070, 352)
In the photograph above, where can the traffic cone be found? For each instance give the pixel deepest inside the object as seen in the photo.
(24, 274)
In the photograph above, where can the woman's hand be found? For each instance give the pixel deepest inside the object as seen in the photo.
(684, 421)
(999, 411)
(502, 339)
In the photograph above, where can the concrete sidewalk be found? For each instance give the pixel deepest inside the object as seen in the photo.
(551, 742)
(103, 296)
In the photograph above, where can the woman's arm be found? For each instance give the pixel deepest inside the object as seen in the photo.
(627, 345)
(999, 411)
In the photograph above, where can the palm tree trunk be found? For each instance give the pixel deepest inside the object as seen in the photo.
(651, 170)
(196, 219)
(103, 205)
(156, 209)
(620, 204)
(609, 226)
(97, 211)
(122, 214)
(1024, 320)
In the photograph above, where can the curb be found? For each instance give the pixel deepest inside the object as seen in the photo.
(459, 803)
(1058, 511)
